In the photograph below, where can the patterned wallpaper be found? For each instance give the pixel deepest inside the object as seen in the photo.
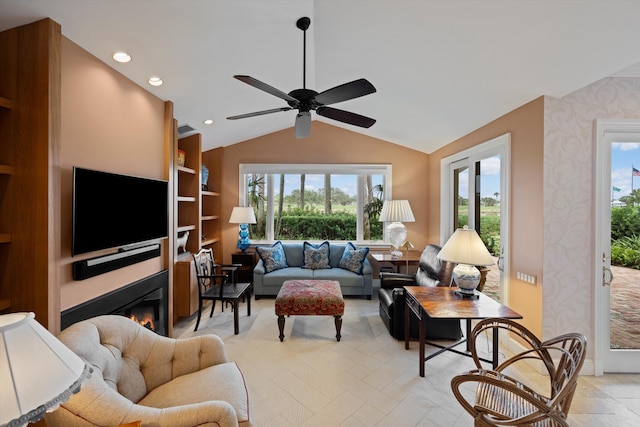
(568, 195)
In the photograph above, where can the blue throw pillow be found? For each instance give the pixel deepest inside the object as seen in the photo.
(316, 257)
(272, 257)
(353, 258)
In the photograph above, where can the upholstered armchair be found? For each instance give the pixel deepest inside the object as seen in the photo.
(141, 376)
(431, 272)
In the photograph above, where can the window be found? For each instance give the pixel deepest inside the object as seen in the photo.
(291, 201)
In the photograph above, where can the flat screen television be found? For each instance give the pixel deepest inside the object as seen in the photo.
(115, 211)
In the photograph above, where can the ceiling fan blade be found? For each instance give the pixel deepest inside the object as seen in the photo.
(265, 87)
(345, 117)
(259, 113)
(303, 124)
(344, 92)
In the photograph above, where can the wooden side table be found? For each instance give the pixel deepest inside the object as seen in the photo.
(247, 261)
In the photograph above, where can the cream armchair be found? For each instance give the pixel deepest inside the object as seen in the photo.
(141, 376)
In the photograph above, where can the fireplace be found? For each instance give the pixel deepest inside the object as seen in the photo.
(145, 301)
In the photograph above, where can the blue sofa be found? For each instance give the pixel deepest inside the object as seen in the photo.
(351, 283)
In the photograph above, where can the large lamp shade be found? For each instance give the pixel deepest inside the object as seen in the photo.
(466, 249)
(37, 371)
(396, 212)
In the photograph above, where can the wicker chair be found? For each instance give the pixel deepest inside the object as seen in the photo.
(501, 400)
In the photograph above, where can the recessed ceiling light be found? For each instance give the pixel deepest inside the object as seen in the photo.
(208, 122)
(121, 57)
(155, 81)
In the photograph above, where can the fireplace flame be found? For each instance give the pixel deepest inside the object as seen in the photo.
(147, 321)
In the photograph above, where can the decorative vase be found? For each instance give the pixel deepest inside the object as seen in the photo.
(205, 177)
(181, 157)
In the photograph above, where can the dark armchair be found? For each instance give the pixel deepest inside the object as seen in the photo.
(431, 272)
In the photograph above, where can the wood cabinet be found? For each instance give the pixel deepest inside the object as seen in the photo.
(210, 219)
(5, 172)
(30, 139)
(198, 213)
(188, 195)
(247, 260)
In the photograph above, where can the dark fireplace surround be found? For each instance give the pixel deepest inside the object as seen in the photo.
(145, 301)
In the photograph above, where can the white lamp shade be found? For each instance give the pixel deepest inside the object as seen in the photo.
(466, 247)
(242, 215)
(396, 211)
(37, 371)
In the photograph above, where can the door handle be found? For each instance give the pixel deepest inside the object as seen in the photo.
(606, 269)
(501, 259)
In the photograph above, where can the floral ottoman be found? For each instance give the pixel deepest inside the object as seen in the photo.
(310, 297)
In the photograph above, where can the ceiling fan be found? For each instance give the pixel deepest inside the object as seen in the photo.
(305, 100)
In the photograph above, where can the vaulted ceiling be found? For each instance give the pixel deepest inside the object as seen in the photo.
(441, 68)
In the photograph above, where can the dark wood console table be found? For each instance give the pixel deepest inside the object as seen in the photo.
(442, 302)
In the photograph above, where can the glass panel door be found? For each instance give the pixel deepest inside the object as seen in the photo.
(475, 193)
(617, 256)
(460, 200)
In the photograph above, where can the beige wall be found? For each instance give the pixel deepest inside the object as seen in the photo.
(526, 194)
(329, 144)
(110, 124)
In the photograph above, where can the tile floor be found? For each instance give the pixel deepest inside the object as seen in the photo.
(368, 378)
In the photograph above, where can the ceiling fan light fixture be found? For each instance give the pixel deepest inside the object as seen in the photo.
(303, 124)
(305, 100)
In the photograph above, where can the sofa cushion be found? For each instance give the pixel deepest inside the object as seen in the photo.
(272, 257)
(353, 258)
(316, 257)
(203, 386)
(345, 277)
(276, 278)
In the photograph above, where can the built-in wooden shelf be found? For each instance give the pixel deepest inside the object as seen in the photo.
(186, 170)
(207, 242)
(186, 199)
(6, 170)
(210, 217)
(183, 228)
(5, 103)
(184, 256)
(210, 193)
(5, 237)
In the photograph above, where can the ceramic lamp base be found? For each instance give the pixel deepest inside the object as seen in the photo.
(467, 278)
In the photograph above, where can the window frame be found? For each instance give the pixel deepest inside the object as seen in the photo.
(272, 169)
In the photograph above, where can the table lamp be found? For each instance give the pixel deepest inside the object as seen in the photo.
(396, 212)
(466, 249)
(243, 216)
(37, 371)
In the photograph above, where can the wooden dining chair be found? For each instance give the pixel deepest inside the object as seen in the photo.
(501, 400)
(211, 281)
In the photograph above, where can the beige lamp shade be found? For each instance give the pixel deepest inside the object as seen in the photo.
(396, 211)
(465, 247)
(37, 371)
(242, 215)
